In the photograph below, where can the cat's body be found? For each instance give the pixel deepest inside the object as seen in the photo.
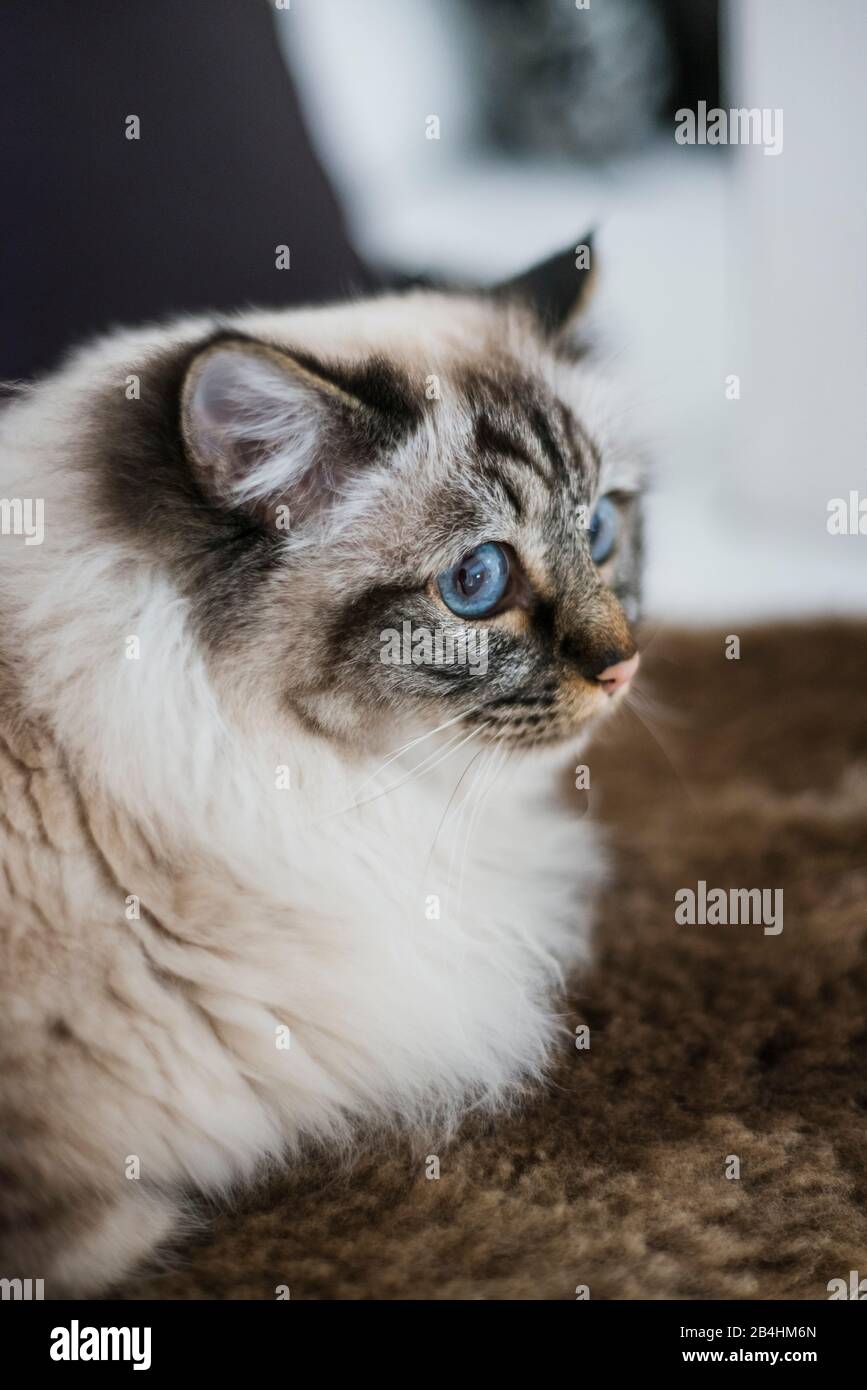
(230, 920)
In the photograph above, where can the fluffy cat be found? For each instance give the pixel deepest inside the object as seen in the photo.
(260, 885)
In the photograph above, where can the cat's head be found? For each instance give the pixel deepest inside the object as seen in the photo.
(414, 510)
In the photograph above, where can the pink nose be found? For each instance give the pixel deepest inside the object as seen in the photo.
(613, 677)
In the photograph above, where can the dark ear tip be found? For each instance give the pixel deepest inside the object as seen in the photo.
(555, 288)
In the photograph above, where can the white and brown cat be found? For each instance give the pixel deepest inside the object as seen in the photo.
(258, 884)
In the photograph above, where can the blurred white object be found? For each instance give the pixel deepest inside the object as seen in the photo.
(796, 271)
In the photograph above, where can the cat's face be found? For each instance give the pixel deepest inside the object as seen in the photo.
(435, 528)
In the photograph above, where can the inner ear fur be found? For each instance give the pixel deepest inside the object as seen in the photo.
(262, 425)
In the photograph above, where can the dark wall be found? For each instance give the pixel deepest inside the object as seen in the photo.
(99, 229)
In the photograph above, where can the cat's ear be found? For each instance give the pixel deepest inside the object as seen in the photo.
(255, 424)
(556, 289)
(264, 427)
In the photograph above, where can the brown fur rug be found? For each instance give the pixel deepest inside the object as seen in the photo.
(705, 1041)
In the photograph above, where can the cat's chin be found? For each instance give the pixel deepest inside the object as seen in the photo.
(570, 744)
(546, 747)
(562, 737)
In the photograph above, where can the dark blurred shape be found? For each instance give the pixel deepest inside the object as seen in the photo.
(591, 83)
(692, 27)
(555, 287)
(101, 230)
(559, 81)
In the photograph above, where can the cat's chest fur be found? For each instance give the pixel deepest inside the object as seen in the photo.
(288, 944)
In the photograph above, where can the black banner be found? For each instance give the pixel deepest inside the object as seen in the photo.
(80, 1339)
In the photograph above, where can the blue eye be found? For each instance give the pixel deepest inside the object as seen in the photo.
(602, 531)
(475, 586)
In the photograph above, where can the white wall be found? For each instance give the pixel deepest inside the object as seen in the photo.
(798, 240)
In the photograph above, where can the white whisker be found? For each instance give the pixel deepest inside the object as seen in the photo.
(630, 708)
(420, 770)
(495, 767)
(413, 743)
(449, 804)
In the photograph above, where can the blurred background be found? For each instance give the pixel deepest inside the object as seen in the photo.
(460, 140)
(716, 260)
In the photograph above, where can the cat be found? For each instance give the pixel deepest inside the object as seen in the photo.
(264, 883)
